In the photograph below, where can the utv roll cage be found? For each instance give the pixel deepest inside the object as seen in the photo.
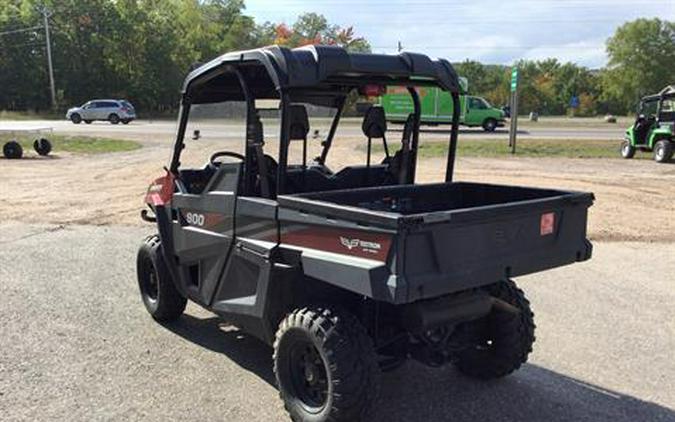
(667, 93)
(318, 75)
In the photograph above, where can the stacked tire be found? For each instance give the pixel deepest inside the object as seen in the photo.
(42, 146)
(12, 150)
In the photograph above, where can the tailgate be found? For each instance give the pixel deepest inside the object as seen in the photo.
(448, 251)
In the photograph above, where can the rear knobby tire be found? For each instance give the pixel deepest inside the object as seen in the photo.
(325, 366)
(504, 339)
(663, 151)
(627, 150)
(158, 291)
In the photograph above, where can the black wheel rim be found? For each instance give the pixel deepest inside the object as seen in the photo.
(149, 281)
(308, 375)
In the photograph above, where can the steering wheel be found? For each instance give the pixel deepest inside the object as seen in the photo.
(212, 160)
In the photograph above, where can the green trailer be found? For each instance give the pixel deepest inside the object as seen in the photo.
(437, 108)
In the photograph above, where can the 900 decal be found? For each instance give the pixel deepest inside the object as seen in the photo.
(195, 219)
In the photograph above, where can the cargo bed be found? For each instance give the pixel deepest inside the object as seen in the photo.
(448, 237)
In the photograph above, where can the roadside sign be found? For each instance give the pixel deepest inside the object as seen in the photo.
(513, 127)
(574, 102)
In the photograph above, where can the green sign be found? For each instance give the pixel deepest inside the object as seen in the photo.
(514, 79)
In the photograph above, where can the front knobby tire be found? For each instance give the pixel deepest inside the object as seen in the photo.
(158, 291)
(325, 366)
(504, 340)
(627, 150)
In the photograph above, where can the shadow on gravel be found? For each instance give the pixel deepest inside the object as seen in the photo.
(414, 392)
(33, 158)
(216, 335)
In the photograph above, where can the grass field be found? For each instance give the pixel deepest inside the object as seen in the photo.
(527, 147)
(79, 144)
(28, 115)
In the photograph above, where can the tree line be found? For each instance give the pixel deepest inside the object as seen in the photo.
(142, 49)
(641, 61)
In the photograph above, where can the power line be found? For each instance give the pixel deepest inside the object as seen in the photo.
(16, 31)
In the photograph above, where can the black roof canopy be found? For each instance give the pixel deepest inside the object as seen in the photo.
(319, 69)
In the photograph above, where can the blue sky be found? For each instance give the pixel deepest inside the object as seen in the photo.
(490, 31)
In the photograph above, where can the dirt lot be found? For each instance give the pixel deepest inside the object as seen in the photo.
(635, 200)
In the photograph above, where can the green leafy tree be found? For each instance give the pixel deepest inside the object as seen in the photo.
(641, 59)
(135, 49)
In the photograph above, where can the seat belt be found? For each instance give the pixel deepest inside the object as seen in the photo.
(405, 150)
(257, 142)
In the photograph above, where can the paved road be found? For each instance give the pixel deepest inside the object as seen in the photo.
(77, 345)
(165, 130)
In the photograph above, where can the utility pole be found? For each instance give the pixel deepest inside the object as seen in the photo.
(400, 47)
(45, 18)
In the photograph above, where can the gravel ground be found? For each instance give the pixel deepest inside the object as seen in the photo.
(77, 345)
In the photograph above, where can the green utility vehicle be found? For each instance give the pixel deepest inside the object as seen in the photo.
(437, 108)
(654, 127)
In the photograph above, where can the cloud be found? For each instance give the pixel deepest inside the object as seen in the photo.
(590, 53)
(491, 31)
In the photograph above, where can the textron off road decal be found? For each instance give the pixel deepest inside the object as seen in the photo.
(365, 245)
(343, 241)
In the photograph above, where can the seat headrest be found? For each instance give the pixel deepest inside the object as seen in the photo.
(374, 122)
(299, 127)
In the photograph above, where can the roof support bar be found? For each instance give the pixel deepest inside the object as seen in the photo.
(254, 141)
(417, 110)
(183, 114)
(284, 134)
(452, 148)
